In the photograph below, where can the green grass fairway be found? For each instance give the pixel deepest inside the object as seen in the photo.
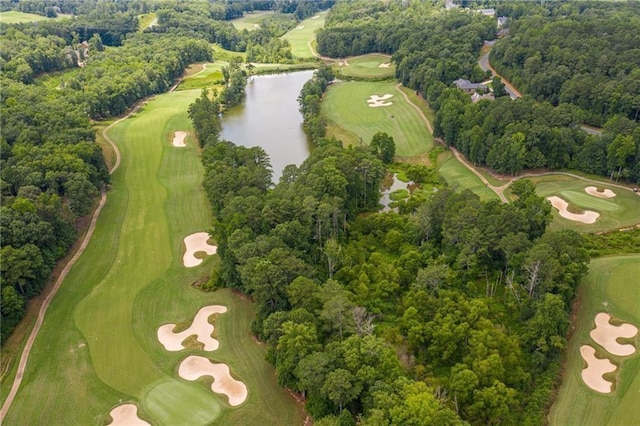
(461, 178)
(621, 211)
(98, 347)
(210, 76)
(367, 66)
(348, 113)
(145, 20)
(303, 34)
(612, 286)
(14, 17)
(251, 21)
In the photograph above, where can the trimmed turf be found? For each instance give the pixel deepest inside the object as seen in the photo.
(345, 106)
(303, 34)
(461, 178)
(251, 21)
(367, 66)
(621, 211)
(145, 20)
(97, 347)
(15, 17)
(612, 286)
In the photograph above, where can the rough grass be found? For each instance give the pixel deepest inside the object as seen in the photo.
(612, 286)
(367, 66)
(461, 178)
(621, 211)
(345, 107)
(300, 37)
(145, 20)
(251, 21)
(97, 347)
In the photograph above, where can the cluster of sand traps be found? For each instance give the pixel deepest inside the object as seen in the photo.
(375, 101)
(195, 243)
(178, 139)
(606, 335)
(607, 193)
(385, 65)
(194, 367)
(596, 369)
(126, 415)
(587, 217)
(199, 327)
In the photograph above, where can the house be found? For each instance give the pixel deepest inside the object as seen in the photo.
(468, 86)
(502, 20)
(487, 12)
(477, 96)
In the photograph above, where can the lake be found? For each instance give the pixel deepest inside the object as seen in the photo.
(269, 118)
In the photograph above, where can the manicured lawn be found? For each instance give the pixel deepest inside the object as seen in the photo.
(612, 286)
(251, 21)
(14, 17)
(620, 211)
(303, 34)
(98, 347)
(345, 107)
(210, 76)
(145, 20)
(367, 66)
(461, 178)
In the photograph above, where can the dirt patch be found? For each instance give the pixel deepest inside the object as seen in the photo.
(178, 139)
(126, 415)
(376, 101)
(200, 327)
(194, 367)
(606, 335)
(605, 193)
(596, 369)
(195, 243)
(588, 217)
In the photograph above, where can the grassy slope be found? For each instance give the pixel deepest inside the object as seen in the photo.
(101, 326)
(368, 66)
(301, 36)
(345, 106)
(14, 17)
(458, 176)
(620, 211)
(612, 286)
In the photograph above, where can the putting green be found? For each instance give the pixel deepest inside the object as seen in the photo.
(611, 286)
(346, 107)
(98, 347)
(621, 211)
(373, 65)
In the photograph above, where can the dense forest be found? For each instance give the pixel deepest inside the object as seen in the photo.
(453, 311)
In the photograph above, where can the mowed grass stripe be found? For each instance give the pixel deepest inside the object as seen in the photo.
(611, 286)
(303, 34)
(345, 105)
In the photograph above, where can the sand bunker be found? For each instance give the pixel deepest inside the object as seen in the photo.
(194, 367)
(606, 335)
(126, 415)
(375, 101)
(195, 243)
(596, 368)
(178, 139)
(587, 217)
(200, 327)
(385, 65)
(299, 27)
(607, 193)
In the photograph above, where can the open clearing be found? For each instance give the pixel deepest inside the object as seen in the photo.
(14, 17)
(98, 347)
(301, 37)
(461, 178)
(620, 211)
(353, 120)
(373, 65)
(612, 286)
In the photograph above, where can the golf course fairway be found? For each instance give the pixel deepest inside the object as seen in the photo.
(98, 348)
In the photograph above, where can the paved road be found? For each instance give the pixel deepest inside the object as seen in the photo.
(486, 66)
